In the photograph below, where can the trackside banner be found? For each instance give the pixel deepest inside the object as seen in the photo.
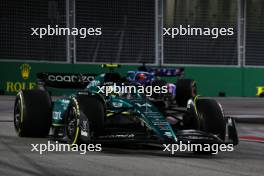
(21, 76)
(15, 76)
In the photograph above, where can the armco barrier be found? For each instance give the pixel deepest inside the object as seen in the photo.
(210, 80)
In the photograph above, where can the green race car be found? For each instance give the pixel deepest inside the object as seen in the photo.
(89, 115)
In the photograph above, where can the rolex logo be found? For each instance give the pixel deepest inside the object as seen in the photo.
(25, 70)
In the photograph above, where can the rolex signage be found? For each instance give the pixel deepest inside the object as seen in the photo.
(23, 82)
(25, 71)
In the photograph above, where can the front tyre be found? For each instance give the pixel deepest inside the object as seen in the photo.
(85, 119)
(210, 119)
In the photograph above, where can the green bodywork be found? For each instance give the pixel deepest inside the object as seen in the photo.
(136, 104)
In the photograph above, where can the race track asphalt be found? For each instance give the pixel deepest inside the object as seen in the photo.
(16, 157)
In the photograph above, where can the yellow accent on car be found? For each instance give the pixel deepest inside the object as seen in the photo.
(125, 113)
(260, 90)
(57, 125)
(109, 114)
(77, 124)
(112, 113)
(76, 136)
(110, 65)
(194, 102)
(199, 116)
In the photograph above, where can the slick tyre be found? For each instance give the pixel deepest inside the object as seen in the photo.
(210, 119)
(32, 113)
(85, 119)
(185, 90)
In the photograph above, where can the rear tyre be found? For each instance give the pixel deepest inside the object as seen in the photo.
(185, 90)
(85, 119)
(32, 113)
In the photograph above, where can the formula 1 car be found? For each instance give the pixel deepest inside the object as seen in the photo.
(88, 116)
(260, 91)
(181, 91)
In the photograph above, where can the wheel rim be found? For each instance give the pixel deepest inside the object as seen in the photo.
(72, 123)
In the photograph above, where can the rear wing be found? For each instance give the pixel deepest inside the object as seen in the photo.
(65, 80)
(157, 71)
